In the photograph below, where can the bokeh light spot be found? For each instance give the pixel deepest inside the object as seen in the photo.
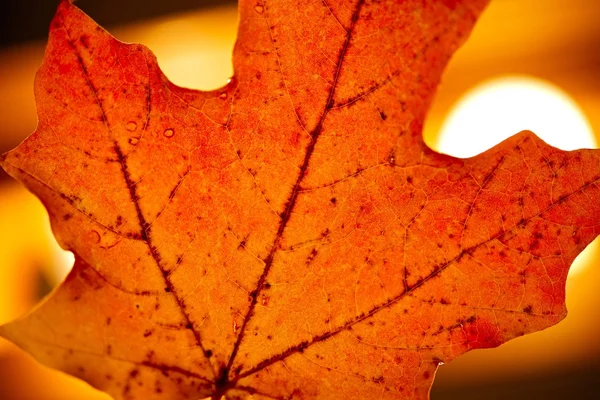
(499, 108)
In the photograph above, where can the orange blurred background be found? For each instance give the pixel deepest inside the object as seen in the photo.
(557, 41)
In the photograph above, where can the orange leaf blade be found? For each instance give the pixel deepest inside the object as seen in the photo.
(289, 235)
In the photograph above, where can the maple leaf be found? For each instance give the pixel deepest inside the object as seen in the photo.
(290, 235)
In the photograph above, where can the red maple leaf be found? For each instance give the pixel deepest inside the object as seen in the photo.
(290, 235)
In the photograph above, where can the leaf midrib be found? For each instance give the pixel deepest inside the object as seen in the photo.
(296, 189)
(466, 252)
(131, 187)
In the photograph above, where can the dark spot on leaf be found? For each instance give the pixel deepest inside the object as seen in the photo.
(302, 346)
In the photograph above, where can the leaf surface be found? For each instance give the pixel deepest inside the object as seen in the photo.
(290, 235)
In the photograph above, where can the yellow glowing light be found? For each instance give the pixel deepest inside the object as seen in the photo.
(193, 49)
(497, 109)
(61, 260)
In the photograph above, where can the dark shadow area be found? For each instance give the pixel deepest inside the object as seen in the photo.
(23, 20)
(4, 178)
(577, 384)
